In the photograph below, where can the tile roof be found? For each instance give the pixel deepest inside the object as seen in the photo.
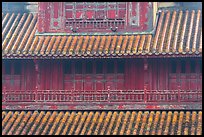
(102, 122)
(178, 32)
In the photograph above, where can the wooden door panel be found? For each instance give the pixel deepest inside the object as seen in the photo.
(17, 84)
(78, 85)
(110, 85)
(173, 84)
(110, 77)
(200, 82)
(120, 85)
(16, 80)
(88, 77)
(99, 85)
(88, 85)
(78, 77)
(12, 82)
(193, 81)
(120, 76)
(193, 76)
(69, 85)
(193, 84)
(7, 84)
(68, 77)
(99, 77)
(185, 84)
(200, 85)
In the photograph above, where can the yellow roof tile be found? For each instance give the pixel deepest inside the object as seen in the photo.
(177, 32)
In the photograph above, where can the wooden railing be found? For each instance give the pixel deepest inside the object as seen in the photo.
(102, 96)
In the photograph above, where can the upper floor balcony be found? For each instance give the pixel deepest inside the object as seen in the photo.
(102, 98)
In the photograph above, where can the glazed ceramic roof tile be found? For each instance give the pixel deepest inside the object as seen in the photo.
(177, 32)
(102, 123)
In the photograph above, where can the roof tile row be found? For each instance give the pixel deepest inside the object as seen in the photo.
(102, 122)
(177, 32)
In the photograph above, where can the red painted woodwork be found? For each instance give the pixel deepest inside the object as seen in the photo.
(13, 75)
(93, 79)
(53, 77)
(105, 81)
(42, 22)
(68, 82)
(95, 17)
(103, 96)
(100, 81)
(120, 81)
(50, 77)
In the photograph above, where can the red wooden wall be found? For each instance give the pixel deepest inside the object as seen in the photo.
(134, 77)
(18, 75)
(103, 74)
(186, 73)
(158, 74)
(50, 75)
(94, 75)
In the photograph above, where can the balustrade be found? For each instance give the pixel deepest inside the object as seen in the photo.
(102, 96)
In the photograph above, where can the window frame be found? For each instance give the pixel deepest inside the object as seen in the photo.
(12, 67)
(116, 76)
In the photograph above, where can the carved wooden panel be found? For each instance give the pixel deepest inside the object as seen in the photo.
(95, 17)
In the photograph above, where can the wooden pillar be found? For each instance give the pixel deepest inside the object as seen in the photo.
(145, 93)
(37, 77)
(179, 93)
(146, 76)
(146, 81)
(127, 76)
(4, 94)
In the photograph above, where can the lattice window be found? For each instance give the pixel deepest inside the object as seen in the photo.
(95, 17)
(11, 75)
(98, 15)
(90, 75)
(184, 73)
